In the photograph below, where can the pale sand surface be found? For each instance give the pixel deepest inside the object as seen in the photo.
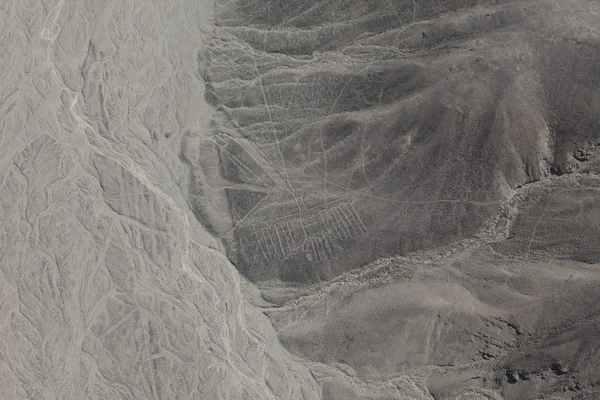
(110, 288)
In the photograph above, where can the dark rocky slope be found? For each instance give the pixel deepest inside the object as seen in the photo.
(350, 131)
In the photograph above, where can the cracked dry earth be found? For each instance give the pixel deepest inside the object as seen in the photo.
(300, 199)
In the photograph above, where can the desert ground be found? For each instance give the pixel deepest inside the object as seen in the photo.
(300, 199)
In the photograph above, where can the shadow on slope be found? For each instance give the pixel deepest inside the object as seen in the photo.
(397, 136)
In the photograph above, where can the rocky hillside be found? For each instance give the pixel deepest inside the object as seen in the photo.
(348, 131)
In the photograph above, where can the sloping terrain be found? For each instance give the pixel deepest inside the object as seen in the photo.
(351, 131)
(560, 220)
(462, 135)
(461, 321)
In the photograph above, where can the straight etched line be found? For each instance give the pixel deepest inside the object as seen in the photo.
(285, 230)
(355, 216)
(279, 239)
(260, 244)
(278, 145)
(277, 256)
(294, 247)
(315, 243)
(320, 246)
(343, 228)
(348, 222)
(324, 218)
(351, 220)
(334, 224)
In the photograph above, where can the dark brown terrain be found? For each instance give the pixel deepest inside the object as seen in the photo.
(459, 139)
(347, 132)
